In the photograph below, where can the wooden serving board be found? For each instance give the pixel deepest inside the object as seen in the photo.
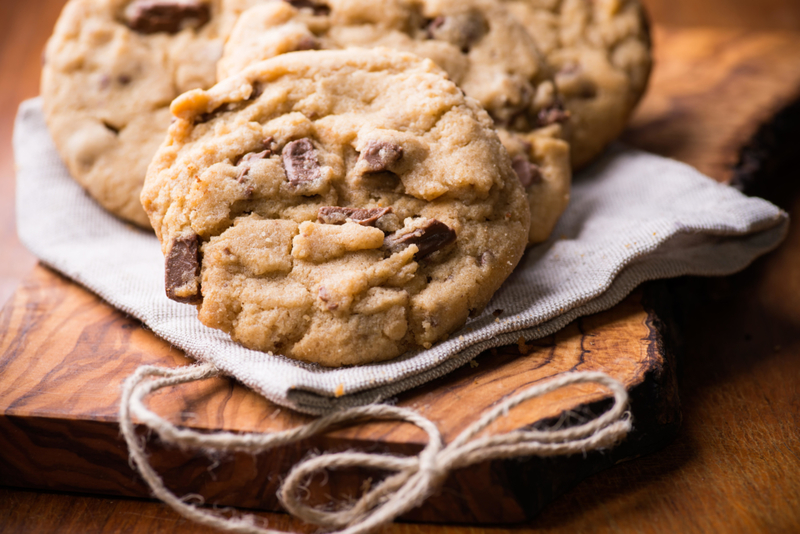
(64, 353)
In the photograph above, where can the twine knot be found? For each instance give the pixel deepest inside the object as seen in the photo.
(414, 478)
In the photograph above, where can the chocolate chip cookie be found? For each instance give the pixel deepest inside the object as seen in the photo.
(111, 69)
(337, 207)
(599, 51)
(480, 45)
(484, 50)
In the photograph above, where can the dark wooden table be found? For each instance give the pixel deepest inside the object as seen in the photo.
(735, 466)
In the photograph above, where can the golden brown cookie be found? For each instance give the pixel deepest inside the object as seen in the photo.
(480, 45)
(111, 69)
(338, 207)
(599, 51)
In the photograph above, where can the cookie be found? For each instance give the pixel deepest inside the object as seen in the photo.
(337, 207)
(541, 162)
(111, 69)
(599, 51)
(480, 45)
(484, 50)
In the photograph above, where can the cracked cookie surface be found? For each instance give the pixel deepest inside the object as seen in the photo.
(337, 207)
(481, 46)
(111, 69)
(599, 51)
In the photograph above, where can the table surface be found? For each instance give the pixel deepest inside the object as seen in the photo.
(735, 466)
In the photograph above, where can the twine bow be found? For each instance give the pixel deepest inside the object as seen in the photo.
(415, 478)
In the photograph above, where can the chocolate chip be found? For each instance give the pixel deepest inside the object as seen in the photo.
(258, 90)
(433, 236)
(124, 79)
(379, 156)
(516, 115)
(300, 162)
(247, 160)
(486, 258)
(182, 269)
(110, 127)
(462, 30)
(325, 296)
(571, 80)
(339, 215)
(319, 8)
(433, 26)
(205, 117)
(527, 172)
(255, 156)
(171, 16)
(307, 43)
(551, 114)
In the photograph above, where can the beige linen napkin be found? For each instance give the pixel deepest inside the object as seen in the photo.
(633, 217)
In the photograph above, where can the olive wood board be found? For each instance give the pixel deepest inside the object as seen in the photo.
(64, 353)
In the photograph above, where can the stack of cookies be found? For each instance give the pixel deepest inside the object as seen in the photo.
(339, 181)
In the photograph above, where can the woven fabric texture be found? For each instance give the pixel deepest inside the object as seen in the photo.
(633, 217)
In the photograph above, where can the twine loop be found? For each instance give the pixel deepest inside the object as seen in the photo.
(414, 478)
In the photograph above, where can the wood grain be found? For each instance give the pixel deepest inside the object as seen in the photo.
(710, 92)
(730, 470)
(65, 354)
(763, 15)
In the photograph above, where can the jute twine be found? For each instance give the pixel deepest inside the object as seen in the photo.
(414, 479)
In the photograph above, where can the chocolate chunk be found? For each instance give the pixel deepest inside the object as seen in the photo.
(307, 43)
(258, 90)
(433, 26)
(182, 269)
(339, 215)
(246, 161)
(254, 156)
(552, 114)
(205, 117)
(319, 8)
(462, 30)
(433, 236)
(515, 115)
(325, 296)
(527, 172)
(379, 156)
(171, 16)
(572, 81)
(300, 162)
(110, 127)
